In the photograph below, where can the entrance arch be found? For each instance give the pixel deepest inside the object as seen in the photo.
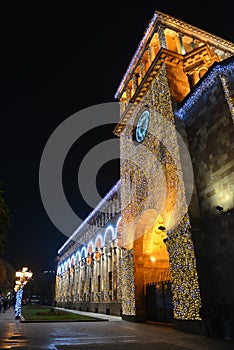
(152, 271)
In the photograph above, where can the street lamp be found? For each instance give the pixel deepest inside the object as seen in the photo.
(22, 278)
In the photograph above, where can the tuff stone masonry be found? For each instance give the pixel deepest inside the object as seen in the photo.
(161, 241)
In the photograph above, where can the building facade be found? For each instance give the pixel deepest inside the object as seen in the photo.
(88, 275)
(171, 245)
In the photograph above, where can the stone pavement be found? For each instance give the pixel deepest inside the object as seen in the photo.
(115, 334)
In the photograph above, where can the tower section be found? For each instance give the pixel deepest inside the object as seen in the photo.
(160, 281)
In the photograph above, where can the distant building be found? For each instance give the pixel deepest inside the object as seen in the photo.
(47, 287)
(41, 288)
(162, 254)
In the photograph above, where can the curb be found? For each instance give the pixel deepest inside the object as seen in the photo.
(59, 321)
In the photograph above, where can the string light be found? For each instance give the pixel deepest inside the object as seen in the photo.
(92, 215)
(22, 278)
(136, 56)
(156, 182)
(222, 69)
(162, 168)
(228, 96)
(128, 283)
(184, 278)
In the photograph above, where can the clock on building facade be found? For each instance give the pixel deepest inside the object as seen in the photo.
(142, 126)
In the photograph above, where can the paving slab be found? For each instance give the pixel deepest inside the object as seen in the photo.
(117, 334)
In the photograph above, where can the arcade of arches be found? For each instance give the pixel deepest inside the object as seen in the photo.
(140, 262)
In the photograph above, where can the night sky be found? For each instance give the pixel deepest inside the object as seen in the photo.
(56, 61)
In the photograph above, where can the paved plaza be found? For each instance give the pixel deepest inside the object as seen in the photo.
(114, 334)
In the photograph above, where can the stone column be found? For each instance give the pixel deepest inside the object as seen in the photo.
(150, 54)
(118, 274)
(161, 37)
(122, 105)
(142, 69)
(102, 273)
(105, 275)
(128, 285)
(134, 82)
(77, 274)
(182, 49)
(128, 93)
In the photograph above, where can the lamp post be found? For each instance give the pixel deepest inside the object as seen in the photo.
(22, 278)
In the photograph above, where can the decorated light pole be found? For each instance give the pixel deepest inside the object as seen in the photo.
(22, 278)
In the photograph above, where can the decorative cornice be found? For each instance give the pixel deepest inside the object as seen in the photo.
(195, 32)
(162, 19)
(163, 56)
(138, 53)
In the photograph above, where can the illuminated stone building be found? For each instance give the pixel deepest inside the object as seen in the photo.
(170, 247)
(88, 275)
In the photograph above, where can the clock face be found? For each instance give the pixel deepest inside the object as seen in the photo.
(142, 126)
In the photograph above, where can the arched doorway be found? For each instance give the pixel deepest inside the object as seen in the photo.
(152, 270)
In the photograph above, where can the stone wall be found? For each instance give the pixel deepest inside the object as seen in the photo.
(210, 133)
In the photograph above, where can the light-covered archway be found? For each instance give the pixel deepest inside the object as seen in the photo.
(151, 258)
(155, 254)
